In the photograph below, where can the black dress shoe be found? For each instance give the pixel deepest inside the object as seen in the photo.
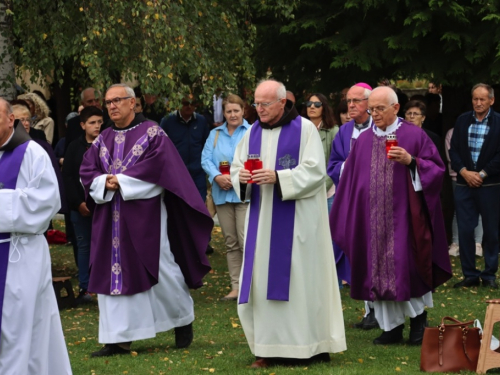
(467, 282)
(417, 328)
(184, 336)
(209, 250)
(368, 322)
(394, 336)
(490, 284)
(109, 350)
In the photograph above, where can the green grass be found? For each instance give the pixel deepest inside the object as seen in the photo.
(220, 346)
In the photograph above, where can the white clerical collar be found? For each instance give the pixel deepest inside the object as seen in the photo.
(390, 129)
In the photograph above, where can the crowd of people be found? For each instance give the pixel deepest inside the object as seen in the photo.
(306, 194)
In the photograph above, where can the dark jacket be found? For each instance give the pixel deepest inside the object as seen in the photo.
(489, 157)
(71, 172)
(189, 139)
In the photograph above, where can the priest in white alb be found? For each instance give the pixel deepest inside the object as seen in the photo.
(31, 336)
(289, 302)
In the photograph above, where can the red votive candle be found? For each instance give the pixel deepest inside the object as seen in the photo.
(389, 142)
(253, 163)
(224, 167)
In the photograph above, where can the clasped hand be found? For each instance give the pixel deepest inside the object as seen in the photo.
(224, 181)
(259, 176)
(472, 178)
(112, 182)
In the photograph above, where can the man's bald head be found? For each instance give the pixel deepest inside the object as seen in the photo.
(383, 105)
(91, 97)
(6, 121)
(270, 101)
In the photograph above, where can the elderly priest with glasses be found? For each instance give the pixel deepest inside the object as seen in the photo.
(289, 300)
(141, 264)
(393, 232)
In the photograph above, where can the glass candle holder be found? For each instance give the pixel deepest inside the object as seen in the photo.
(253, 163)
(390, 141)
(224, 167)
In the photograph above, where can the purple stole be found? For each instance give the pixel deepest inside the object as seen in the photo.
(283, 218)
(115, 165)
(10, 165)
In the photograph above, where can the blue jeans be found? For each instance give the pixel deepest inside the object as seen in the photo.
(469, 204)
(478, 232)
(83, 234)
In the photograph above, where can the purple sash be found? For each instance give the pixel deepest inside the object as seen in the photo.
(283, 217)
(10, 165)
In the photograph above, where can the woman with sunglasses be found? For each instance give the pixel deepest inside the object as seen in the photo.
(320, 113)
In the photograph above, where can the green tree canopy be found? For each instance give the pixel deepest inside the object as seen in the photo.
(168, 46)
(330, 45)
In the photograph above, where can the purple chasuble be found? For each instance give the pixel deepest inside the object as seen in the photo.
(341, 146)
(10, 165)
(283, 217)
(125, 246)
(384, 215)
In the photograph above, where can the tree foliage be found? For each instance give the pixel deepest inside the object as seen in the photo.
(329, 45)
(168, 46)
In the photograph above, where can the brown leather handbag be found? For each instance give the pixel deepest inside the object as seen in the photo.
(450, 347)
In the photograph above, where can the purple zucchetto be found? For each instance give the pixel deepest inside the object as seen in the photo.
(364, 85)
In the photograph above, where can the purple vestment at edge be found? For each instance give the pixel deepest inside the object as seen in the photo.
(341, 146)
(387, 223)
(132, 228)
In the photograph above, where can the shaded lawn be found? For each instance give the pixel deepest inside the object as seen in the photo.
(219, 344)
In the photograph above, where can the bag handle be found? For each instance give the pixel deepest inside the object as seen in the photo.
(442, 328)
(458, 323)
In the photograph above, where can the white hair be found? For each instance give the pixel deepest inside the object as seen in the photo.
(82, 94)
(367, 93)
(280, 91)
(130, 91)
(7, 105)
(392, 97)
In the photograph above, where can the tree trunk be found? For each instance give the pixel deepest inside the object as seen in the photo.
(7, 72)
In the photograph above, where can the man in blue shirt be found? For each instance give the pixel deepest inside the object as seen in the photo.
(475, 156)
(188, 131)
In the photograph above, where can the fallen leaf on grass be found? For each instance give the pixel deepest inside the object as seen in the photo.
(211, 370)
(398, 369)
(360, 360)
(133, 354)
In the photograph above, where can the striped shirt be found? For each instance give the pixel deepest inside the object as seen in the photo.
(477, 133)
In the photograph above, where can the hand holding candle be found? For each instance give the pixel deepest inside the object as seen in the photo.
(253, 163)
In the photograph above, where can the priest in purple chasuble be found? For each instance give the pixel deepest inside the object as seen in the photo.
(149, 233)
(393, 233)
(357, 105)
(31, 335)
(288, 249)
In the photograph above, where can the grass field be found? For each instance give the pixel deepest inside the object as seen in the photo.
(219, 344)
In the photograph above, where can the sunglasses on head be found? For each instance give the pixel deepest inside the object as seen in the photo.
(316, 104)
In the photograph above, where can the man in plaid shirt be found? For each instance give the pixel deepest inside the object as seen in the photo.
(475, 156)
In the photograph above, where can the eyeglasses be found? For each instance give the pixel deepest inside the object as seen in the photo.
(115, 101)
(264, 105)
(355, 101)
(379, 109)
(413, 114)
(316, 104)
(26, 120)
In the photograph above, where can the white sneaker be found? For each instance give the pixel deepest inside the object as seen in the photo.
(479, 250)
(454, 250)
